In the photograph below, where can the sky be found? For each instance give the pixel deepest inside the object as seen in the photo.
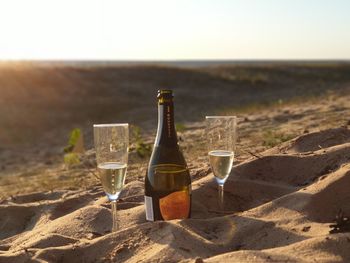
(174, 29)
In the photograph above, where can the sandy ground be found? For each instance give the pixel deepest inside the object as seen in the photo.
(279, 208)
(279, 205)
(289, 184)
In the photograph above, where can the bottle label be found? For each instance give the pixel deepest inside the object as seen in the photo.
(175, 205)
(149, 208)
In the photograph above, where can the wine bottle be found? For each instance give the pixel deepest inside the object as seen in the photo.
(168, 181)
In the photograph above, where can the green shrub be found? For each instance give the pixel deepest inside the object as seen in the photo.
(142, 149)
(73, 139)
(71, 159)
(272, 138)
(180, 127)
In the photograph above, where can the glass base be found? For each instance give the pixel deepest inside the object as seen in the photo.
(221, 181)
(113, 197)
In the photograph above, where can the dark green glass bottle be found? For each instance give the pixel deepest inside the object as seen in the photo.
(168, 181)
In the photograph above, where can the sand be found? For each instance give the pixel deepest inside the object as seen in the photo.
(280, 201)
(279, 208)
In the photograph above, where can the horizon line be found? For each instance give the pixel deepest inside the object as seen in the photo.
(133, 61)
(177, 59)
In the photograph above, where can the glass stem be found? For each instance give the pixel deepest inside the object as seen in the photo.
(221, 196)
(114, 216)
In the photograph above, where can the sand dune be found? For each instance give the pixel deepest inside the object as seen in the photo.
(278, 209)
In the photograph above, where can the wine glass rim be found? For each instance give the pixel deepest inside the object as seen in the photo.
(111, 125)
(218, 117)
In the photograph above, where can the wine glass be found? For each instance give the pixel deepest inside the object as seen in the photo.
(111, 145)
(221, 140)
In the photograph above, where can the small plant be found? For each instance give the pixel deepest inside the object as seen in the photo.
(141, 147)
(73, 139)
(180, 127)
(342, 224)
(272, 138)
(71, 159)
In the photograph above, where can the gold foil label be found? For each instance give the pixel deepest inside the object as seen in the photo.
(175, 205)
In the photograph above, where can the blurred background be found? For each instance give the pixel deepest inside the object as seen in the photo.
(69, 64)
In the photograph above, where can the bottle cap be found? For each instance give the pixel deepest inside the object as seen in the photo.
(165, 92)
(165, 95)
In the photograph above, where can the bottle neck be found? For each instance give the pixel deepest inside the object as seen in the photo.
(166, 133)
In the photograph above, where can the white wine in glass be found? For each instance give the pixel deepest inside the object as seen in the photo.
(112, 144)
(221, 164)
(221, 140)
(112, 177)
